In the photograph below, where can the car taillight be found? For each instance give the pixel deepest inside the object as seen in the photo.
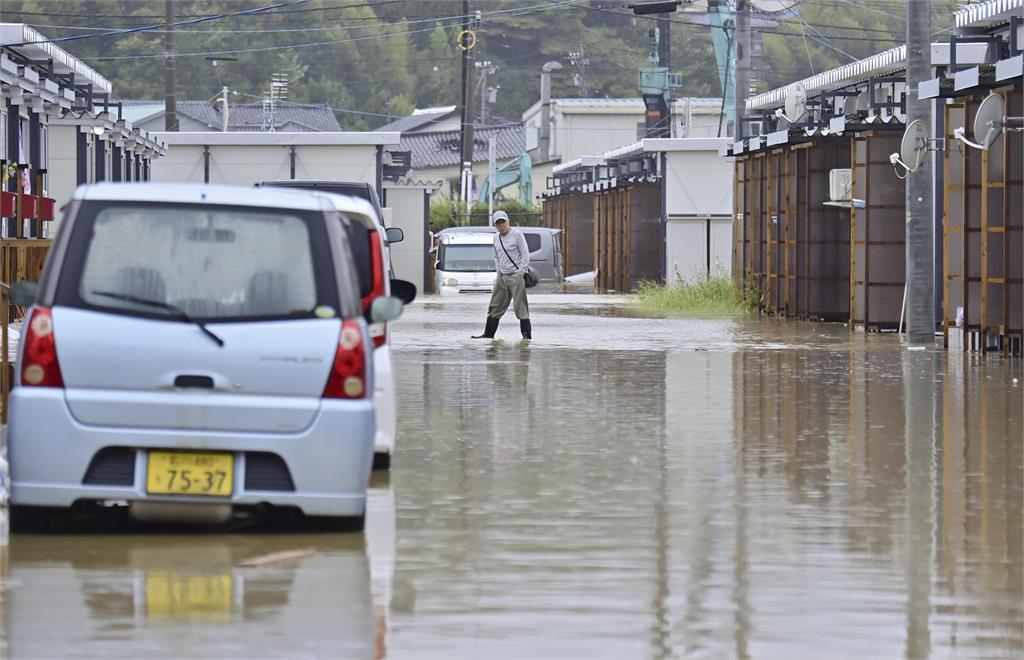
(39, 362)
(348, 374)
(377, 268)
(379, 334)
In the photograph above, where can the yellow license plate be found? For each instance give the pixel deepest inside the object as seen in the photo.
(184, 473)
(173, 596)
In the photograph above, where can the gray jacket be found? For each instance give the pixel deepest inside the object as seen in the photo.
(515, 243)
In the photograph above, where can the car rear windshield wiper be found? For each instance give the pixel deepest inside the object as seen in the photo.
(177, 311)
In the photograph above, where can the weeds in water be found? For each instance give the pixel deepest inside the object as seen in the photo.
(713, 296)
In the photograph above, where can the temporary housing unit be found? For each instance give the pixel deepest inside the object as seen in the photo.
(657, 210)
(980, 109)
(41, 84)
(248, 158)
(820, 211)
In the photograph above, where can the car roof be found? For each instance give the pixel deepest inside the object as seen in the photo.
(468, 237)
(447, 231)
(351, 206)
(309, 183)
(198, 193)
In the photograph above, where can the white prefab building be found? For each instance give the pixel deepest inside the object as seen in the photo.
(56, 121)
(657, 209)
(248, 158)
(584, 127)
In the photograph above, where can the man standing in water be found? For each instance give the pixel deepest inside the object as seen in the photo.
(509, 286)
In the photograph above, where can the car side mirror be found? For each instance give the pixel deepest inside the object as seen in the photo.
(394, 234)
(23, 294)
(403, 290)
(385, 308)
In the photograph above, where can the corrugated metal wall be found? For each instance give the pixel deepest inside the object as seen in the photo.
(573, 213)
(983, 231)
(817, 236)
(788, 243)
(877, 233)
(627, 236)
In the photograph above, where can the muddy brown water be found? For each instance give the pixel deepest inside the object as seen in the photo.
(620, 487)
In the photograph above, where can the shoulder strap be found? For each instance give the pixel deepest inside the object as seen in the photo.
(506, 252)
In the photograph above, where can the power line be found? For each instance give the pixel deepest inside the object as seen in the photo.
(77, 37)
(516, 11)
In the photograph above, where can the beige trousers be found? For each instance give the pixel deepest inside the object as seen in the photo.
(509, 289)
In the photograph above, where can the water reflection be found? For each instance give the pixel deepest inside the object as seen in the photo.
(791, 491)
(187, 596)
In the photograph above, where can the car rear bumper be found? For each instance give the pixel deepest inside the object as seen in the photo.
(384, 403)
(50, 454)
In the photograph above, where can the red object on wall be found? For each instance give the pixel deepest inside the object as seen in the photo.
(8, 206)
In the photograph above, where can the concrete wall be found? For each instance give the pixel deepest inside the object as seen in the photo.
(246, 165)
(407, 210)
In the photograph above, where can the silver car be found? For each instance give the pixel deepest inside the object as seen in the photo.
(193, 353)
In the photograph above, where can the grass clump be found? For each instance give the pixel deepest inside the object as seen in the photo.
(706, 296)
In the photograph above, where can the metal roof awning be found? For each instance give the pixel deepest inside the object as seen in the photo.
(988, 13)
(885, 63)
(36, 47)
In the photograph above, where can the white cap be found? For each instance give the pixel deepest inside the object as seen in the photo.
(499, 215)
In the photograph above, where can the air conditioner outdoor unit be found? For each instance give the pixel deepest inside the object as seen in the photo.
(840, 185)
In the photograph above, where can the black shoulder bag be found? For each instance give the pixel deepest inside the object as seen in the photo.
(529, 277)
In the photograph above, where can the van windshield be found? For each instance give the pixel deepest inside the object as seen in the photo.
(208, 262)
(468, 258)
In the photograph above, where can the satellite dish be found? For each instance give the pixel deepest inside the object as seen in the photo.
(988, 123)
(913, 146)
(796, 102)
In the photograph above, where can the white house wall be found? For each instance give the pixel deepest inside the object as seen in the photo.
(690, 255)
(246, 165)
(698, 183)
(577, 135)
(406, 209)
(63, 171)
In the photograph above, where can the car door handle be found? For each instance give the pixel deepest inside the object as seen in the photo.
(192, 381)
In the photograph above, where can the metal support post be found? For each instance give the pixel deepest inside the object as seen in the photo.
(742, 65)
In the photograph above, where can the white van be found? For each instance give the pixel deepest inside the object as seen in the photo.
(465, 262)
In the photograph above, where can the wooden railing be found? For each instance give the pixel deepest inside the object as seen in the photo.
(21, 260)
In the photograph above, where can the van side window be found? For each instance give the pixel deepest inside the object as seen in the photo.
(532, 242)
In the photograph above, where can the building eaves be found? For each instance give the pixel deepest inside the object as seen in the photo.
(984, 14)
(885, 63)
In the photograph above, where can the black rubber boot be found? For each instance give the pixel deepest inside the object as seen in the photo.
(489, 329)
(526, 328)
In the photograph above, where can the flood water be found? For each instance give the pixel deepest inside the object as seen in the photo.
(620, 487)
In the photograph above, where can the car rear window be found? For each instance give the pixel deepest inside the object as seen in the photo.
(213, 263)
(532, 242)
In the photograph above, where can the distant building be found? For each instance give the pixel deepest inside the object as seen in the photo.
(207, 116)
(426, 120)
(590, 127)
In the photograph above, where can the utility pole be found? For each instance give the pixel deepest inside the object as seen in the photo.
(664, 60)
(467, 41)
(486, 68)
(920, 244)
(742, 39)
(170, 110)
